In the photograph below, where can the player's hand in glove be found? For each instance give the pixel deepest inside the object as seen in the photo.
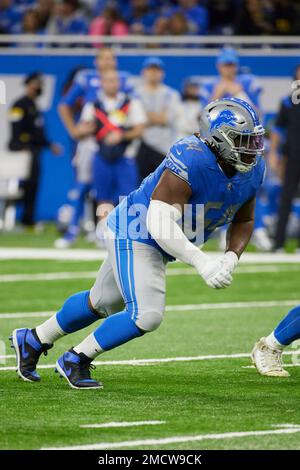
(209, 271)
(223, 277)
(217, 273)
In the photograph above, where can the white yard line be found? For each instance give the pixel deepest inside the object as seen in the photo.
(231, 305)
(256, 269)
(163, 360)
(5, 316)
(179, 308)
(177, 439)
(122, 424)
(52, 254)
(56, 276)
(284, 365)
(94, 255)
(285, 425)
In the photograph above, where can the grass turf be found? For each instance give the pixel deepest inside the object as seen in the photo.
(199, 397)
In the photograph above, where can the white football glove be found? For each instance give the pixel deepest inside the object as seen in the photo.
(223, 278)
(217, 273)
(209, 273)
(230, 260)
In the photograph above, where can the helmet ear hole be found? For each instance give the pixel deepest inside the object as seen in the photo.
(217, 139)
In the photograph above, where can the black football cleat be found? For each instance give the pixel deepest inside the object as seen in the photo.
(28, 349)
(76, 369)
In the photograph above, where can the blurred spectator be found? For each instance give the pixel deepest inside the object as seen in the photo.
(163, 107)
(86, 85)
(10, 17)
(24, 3)
(28, 133)
(221, 18)
(119, 119)
(68, 19)
(30, 22)
(93, 8)
(189, 119)
(161, 26)
(85, 88)
(109, 23)
(287, 125)
(252, 18)
(174, 25)
(178, 24)
(44, 9)
(229, 83)
(141, 17)
(196, 15)
(285, 17)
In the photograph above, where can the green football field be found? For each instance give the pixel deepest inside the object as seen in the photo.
(189, 385)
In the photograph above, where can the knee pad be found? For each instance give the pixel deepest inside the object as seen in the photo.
(149, 321)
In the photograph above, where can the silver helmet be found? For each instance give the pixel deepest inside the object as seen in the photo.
(231, 127)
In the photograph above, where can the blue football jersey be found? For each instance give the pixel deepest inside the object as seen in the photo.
(87, 84)
(214, 201)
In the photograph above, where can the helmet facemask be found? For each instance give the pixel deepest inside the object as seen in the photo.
(243, 148)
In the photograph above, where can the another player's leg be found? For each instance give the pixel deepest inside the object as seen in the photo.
(77, 200)
(75, 314)
(103, 184)
(140, 274)
(267, 352)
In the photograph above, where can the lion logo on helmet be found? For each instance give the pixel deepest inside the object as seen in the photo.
(224, 117)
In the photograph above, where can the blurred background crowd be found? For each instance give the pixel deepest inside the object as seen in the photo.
(150, 17)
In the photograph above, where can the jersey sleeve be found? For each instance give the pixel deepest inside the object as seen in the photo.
(182, 162)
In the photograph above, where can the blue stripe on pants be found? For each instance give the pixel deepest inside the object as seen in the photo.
(124, 261)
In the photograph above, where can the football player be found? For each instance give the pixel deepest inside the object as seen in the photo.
(267, 352)
(216, 174)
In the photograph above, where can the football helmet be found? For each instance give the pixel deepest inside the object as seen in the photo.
(232, 128)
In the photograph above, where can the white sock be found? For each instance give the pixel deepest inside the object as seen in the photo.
(89, 347)
(49, 331)
(273, 343)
